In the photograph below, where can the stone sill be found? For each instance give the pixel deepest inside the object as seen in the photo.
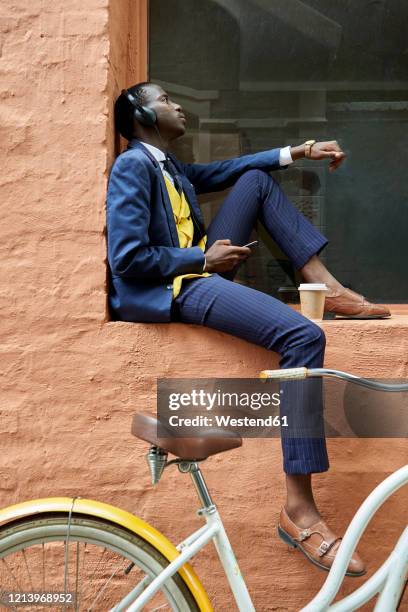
(374, 348)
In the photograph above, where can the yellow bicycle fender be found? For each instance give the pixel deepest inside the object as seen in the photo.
(120, 517)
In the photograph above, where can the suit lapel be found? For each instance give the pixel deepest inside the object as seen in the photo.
(188, 191)
(168, 208)
(134, 144)
(191, 197)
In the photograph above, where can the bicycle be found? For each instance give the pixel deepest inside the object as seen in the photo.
(99, 557)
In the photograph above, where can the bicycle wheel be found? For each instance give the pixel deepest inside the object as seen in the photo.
(94, 562)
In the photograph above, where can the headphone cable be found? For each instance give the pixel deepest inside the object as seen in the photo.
(161, 139)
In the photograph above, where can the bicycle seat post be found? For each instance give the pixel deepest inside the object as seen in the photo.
(199, 484)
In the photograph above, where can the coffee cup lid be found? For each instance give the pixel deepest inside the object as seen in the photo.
(313, 287)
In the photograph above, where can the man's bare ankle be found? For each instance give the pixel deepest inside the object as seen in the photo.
(334, 289)
(303, 515)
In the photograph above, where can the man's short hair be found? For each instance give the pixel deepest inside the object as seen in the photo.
(124, 109)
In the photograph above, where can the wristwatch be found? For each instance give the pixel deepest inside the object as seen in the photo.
(308, 147)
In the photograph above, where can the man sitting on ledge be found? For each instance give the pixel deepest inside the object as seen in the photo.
(165, 266)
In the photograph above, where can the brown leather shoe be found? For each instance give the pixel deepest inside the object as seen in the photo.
(350, 305)
(318, 543)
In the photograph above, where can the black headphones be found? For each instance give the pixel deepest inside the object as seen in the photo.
(144, 115)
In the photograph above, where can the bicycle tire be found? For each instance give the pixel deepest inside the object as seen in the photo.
(23, 561)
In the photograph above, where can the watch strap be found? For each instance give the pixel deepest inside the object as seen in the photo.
(308, 147)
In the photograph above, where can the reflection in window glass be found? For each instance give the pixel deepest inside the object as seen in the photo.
(255, 74)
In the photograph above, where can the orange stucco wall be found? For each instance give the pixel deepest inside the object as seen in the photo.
(71, 379)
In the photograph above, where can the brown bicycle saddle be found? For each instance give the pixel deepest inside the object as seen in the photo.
(216, 440)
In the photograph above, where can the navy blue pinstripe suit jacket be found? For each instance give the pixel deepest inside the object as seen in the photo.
(143, 248)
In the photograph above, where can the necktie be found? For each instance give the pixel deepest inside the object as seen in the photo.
(172, 170)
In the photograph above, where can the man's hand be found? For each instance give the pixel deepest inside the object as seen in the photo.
(331, 149)
(321, 150)
(222, 256)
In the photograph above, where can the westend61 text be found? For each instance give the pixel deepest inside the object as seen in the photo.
(228, 421)
(207, 401)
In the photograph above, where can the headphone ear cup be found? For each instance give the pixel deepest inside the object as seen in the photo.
(145, 116)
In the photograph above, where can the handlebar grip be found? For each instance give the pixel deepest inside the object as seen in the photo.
(285, 374)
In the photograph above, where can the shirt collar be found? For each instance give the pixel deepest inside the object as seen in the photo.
(157, 153)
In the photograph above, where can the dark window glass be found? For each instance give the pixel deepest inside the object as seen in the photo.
(256, 74)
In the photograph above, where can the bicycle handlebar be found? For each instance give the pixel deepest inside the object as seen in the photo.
(301, 373)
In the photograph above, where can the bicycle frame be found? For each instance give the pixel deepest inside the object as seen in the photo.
(388, 580)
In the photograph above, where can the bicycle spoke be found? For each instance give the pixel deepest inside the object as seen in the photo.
(94, 578)
(84, 590)
(91, 563)
(66, 553)
(89, 581)
(43, 567)
(103, 589)
(12, 575)
(76, 570)
(27, 568)
(97, 566)
(3, 603)
(67, 568)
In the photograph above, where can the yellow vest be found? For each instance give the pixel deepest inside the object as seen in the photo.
(185, 230)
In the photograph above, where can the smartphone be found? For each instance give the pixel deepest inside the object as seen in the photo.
(251, 244)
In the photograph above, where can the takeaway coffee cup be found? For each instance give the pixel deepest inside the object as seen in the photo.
(312, 297)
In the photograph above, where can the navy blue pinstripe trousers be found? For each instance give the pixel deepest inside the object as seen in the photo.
(218, 302)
